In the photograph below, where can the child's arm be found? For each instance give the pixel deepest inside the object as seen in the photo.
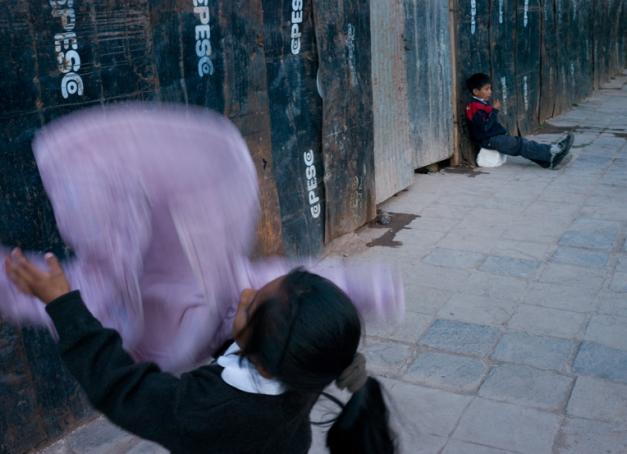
(138, 397)
(484, 120)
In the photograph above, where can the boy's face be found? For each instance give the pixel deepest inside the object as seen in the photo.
(484, 92)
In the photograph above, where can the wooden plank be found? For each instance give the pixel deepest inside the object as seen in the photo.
(393, 150)
(548, 60)
(527, 55)
(503, 61)
(296, 118)
(247, 105)
(429, 79)
(343, 41)
(473, 55)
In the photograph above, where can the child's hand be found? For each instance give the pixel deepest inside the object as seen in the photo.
(497, 104)
(46, 286)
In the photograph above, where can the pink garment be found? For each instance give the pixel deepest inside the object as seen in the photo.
(160, 206)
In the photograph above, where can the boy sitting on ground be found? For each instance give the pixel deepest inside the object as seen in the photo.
(487, 132)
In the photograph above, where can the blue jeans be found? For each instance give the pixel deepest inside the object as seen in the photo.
(519, 146)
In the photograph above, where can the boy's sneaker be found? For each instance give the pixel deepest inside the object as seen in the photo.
(564, 145)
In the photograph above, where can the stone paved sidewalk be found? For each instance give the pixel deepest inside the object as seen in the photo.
(515, 340)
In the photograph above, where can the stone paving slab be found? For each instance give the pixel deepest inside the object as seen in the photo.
(598, 360)
(460, 337)
(543, 352)
(453, 258)
(585, 436)
(548, 322)
(612, 303)
(510, 266)
(556, 296)
(508, 426)
(442, 370)
(527, 386)
(599, 399)
(497, 287)
(409, 330)
(440, 409)
(608, 330)
(462, 447)
(478, 309)
(587, 258)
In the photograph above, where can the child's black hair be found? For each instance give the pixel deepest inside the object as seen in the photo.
(306, 337)
(477, 81)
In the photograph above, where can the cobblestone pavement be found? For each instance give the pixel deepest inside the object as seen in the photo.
(515, 339)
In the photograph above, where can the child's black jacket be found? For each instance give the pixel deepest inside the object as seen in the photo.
(483, 121)
(196, 413)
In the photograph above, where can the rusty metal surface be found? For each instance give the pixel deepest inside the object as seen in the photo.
(343, 41)
(391, 96)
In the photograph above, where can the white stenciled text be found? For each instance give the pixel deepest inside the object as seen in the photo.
(202, 35)
(66, 48)
(312, 184)
(297, 20)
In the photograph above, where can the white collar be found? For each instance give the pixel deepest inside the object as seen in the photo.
(241, 374)
(483, 101)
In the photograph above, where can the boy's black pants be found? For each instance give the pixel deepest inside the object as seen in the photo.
(519, 146)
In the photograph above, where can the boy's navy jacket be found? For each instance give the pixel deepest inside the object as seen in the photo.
(483, 121)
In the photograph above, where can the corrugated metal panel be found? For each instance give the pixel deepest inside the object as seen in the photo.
(429, 79)
(393, 150)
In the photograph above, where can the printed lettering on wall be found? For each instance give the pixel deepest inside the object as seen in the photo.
(202, 35)
(501, 11)
(350, 47)
(297, 20)
(66, 48)
(312, 184)
(526, 14)
(504, 93)
(473, 16)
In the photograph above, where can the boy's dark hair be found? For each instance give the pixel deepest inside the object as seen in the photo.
(477, 81)
(306, 337)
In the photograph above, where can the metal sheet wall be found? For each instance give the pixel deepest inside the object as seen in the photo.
(393, 150)
(296, 117)
(429, 73)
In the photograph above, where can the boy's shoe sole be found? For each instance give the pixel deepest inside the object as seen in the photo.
(567, 142)
(565, 145)
(563, 162)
